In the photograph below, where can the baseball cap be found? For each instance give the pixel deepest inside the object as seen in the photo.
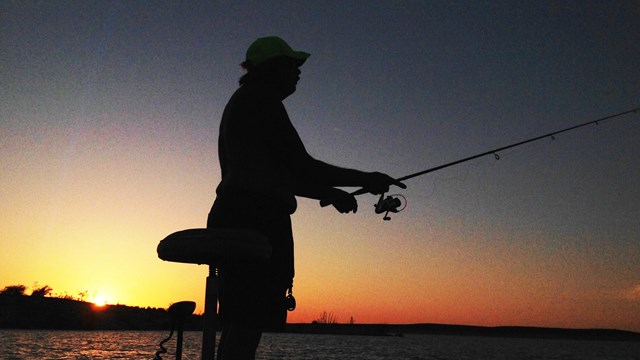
(269, 47)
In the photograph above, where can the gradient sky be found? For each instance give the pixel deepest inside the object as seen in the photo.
(109, 117)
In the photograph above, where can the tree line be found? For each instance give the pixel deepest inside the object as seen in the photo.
(41, 291)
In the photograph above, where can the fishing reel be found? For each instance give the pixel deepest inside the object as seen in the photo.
(391, 203)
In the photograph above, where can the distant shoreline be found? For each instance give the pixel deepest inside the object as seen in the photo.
(45, 313)
(466, 330)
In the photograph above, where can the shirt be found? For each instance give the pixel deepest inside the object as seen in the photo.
(259, 150)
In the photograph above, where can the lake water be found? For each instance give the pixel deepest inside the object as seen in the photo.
(29, 344)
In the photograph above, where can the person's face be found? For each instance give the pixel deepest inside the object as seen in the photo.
(288, 76)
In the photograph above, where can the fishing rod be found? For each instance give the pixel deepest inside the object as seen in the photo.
(392, 204)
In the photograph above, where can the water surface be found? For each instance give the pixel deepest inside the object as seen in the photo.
(44, 344)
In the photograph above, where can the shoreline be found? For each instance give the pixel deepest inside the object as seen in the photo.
(466, 330)
(45, 313)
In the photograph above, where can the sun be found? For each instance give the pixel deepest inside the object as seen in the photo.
(99, 301)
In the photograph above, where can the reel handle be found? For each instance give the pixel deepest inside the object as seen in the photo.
(387, 205)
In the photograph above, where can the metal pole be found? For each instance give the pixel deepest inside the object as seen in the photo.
(179, 340)
(210, 315)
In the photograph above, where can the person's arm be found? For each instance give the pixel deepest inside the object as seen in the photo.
(331, 175)
(317, 179)
(318, 184)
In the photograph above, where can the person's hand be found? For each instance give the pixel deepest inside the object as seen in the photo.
(378, 183)
(344, 202)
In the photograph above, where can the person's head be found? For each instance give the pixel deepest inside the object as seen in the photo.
(272, 60)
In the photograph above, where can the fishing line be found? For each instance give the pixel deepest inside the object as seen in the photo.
(475, 169)
(441, 180)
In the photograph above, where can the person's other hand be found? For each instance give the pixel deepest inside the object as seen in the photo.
(344, 202)
(378, 183)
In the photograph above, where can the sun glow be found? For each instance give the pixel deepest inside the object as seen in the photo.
(99, 301)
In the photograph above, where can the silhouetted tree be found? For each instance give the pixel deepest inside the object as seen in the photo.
(14, 290)
(42, 291)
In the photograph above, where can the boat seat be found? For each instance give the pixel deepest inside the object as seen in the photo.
(209, 246)
(213, 247)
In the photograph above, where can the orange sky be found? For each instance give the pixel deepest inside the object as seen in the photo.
(91, 221)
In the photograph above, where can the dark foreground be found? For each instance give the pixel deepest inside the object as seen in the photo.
(28, 312)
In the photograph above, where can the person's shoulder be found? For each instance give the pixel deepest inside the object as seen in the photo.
(253, 103)
(247, 98)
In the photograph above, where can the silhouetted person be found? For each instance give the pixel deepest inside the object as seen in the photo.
(264, 167)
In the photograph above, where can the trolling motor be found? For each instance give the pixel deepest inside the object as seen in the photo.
(389, 204)
(179, 312)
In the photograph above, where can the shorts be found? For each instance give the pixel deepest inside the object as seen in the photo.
(253, 292)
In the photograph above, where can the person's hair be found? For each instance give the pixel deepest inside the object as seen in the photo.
(263, 72)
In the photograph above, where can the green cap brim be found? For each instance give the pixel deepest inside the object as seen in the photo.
(271, 47)
(300, 57)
